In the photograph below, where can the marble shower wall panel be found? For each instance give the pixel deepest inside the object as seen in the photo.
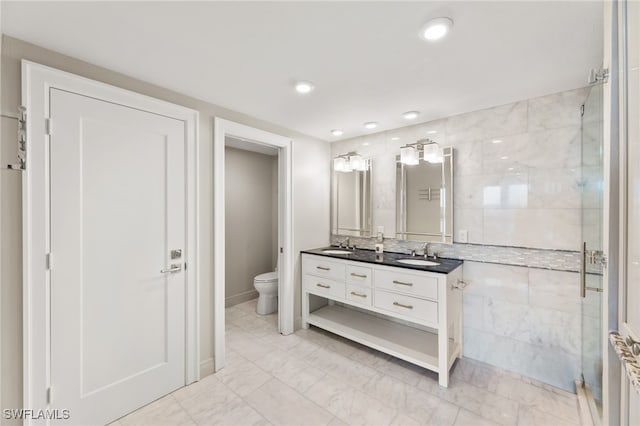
(526, 320)
(517, 170)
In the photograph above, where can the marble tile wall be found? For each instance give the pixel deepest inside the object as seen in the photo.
(518, 180)
(522, 195)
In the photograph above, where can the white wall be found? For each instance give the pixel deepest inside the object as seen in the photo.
(310, 193)
(250, 247)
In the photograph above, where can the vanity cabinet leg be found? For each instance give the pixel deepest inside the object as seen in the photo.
(305, 310)
(443, 335)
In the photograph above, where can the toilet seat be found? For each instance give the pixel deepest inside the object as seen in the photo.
(267, 276)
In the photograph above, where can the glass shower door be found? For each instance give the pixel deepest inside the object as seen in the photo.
(592, 175)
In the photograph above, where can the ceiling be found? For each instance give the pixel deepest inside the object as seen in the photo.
(366, 58)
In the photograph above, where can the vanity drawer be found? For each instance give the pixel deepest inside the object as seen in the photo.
(358, 275)
(425, 311)
(323, 268)
(359, 295)
(324, 287)
(413, 284)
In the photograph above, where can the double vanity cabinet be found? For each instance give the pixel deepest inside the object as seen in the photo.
(412, 312)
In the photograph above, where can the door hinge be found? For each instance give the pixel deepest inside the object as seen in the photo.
(281, 249)
(48, 261)
(49, 395)
(22, 139)
(48, 126)
(598, 75)
(582, 110)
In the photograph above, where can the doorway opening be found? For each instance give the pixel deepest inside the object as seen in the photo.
(237, 264)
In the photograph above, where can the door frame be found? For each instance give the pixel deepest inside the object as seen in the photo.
(37, 80)
(286, 291)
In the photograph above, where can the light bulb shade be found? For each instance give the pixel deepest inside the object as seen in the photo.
(432, 153)
(409, 155)
(358, 163)
(342, 164)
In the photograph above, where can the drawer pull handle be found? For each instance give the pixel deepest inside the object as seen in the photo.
(403, 283)
(323, 285)
(353, 274)
(402, 305)
(358, 294)
(323, 268)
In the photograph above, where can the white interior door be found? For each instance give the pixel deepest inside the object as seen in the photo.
(117, 197)
(630, 300)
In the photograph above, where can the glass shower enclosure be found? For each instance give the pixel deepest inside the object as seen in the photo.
(591, 273)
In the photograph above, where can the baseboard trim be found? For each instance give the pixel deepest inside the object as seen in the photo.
(240, 297)
(206, 367)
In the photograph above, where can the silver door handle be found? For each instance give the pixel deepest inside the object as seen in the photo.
(175, 267)
(583, 271)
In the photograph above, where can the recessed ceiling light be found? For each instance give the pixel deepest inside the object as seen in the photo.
(395, 138)
(365, 143)
(410, 115)
(337, 132)
(435, 29)
(432, 132)
(496, 141)
(304, 87)
(370, 125)
(510, 168)
(504, 158)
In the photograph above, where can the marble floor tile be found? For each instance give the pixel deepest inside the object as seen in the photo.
(282, 405)
(467, 418)
(217, 404)
(341, 367)
(164, 411)
(350, 404)
(241, 375)
(314, 377)
(290, 370)
(529, 416)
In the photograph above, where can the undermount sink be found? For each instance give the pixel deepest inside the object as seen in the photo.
(337, 251)
(418, 262)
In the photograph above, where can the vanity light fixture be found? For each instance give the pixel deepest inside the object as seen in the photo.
(357, 162)
(430, 150)
(436, 29)
(337, 132)
(304, 87)
(410, 115)
(432, 153)
(341, 164)
(349, 162)
(370, 125)
(409, 155)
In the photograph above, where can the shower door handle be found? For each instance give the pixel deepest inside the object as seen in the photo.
(583, 270)
(594, 257)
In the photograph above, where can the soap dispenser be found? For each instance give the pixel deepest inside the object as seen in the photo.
(380, 243)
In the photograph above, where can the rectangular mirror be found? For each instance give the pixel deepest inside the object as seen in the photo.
(351, 202)
(424, 199)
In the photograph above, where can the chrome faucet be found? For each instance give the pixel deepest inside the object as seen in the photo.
(425, 250)
(345, 243)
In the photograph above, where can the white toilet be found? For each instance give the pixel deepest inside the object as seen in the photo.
(267, 286)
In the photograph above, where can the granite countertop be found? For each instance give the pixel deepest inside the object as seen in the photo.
(389, 259)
